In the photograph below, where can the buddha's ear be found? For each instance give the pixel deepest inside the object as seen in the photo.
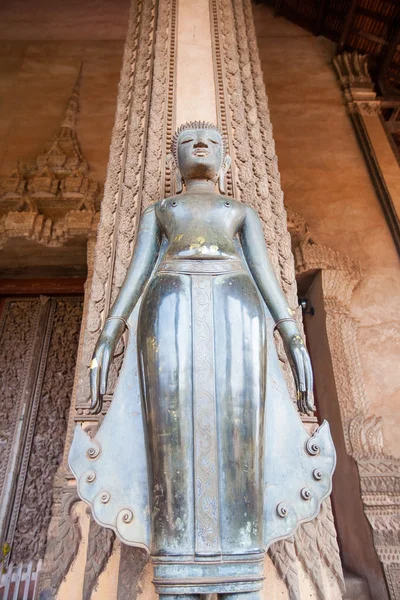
(173, 167)
(221, 177)
(178, 181)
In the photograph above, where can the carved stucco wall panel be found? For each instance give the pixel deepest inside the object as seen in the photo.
(49, 433)
(51, 199)
(378, 471)
(39, 340)
(17, 329)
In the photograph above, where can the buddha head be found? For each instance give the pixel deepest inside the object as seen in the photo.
(198, 152)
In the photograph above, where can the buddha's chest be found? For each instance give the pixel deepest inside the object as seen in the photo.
(205, 216)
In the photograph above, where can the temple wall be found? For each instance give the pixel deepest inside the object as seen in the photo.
(324, 178)
(42, 45)
(323, 172)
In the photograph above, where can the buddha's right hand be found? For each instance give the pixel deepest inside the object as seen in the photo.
(101, 362)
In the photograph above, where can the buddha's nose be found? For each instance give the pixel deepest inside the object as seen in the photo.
(200, 144)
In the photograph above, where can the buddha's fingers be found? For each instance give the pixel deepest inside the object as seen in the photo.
(95, 388)
(308, 371)
(105, 367)
(298, 354)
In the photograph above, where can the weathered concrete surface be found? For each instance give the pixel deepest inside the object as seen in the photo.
(36, 82)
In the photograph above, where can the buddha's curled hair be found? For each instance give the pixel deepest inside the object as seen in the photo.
(195, 125)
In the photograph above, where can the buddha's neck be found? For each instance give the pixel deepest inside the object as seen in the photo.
(200, 186)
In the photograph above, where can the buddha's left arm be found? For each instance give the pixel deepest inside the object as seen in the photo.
(256, 254)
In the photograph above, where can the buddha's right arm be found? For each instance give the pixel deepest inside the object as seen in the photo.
(144, 257)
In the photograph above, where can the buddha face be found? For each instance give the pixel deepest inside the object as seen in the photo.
(200, 154)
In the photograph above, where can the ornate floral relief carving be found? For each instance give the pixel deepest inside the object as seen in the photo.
(327, 544)
(131, 565)
(119, 208)
(49, 432)
(129, 193)
(241, 155)
(358, 87)
(282, 237)
(222, 103)
(30, 403)
(307, 552)
(64, 539)
(260, 200)
(283, 555)
(51, 200)
(100, 547)
(17, 333)
(157, 180)
(256, 173)
(379, 472)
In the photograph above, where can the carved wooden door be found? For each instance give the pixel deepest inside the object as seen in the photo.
(38, 347)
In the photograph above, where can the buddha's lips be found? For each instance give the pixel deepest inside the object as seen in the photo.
(201, 152)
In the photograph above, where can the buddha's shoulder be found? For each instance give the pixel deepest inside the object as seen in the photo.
(188, 199)
(211, 201)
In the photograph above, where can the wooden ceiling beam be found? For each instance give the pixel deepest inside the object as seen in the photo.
(390, 52)
(371, 37)
(366, 12)
(321, 14)
(351, 10)
(390, 103)
(393, 126)
(278, 7)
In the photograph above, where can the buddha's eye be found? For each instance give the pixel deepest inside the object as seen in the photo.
(186, 141)
(213, 141)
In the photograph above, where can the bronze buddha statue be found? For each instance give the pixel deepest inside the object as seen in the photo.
(219, 463)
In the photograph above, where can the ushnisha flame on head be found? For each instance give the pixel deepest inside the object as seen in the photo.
(195, 125)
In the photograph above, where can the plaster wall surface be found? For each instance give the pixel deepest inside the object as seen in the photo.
(42, 45)
(325, 179)
(195, 90)
(60, 20)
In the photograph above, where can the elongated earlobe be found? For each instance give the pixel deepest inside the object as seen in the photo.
(221, 177)
(221, 182)
(173, 167)
(178, 181)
